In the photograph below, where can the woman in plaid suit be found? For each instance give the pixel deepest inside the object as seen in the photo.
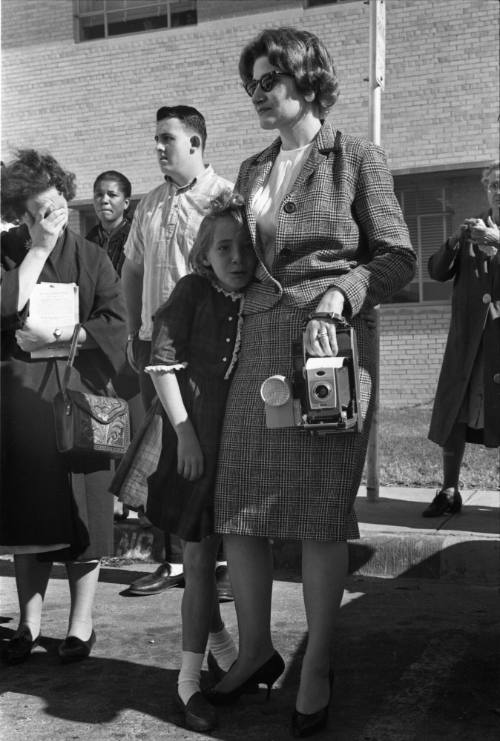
(331, 240)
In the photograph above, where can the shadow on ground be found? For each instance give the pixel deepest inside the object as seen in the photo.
(411, 654)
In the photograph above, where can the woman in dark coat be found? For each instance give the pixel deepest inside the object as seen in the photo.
(331, 243)
(467, 402)
(112, 192)
(53, 506)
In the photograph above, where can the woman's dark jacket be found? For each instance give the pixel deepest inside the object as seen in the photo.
(475, 317)
(39, 503)
(113, 243)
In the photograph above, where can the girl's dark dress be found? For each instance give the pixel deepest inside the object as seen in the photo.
(48, 498)
(196, 332)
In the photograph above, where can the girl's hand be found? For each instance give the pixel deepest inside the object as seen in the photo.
(34, 335)
(189, 454)
(45, 227)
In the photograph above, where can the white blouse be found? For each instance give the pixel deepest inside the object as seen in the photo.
(267, 200)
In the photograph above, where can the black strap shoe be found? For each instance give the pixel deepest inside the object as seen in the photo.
(19, 648)
(74, 649)
(199, 714)
(446, 502)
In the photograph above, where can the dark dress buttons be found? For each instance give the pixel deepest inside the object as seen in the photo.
(289, 207)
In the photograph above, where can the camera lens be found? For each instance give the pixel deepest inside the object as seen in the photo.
(321, 391)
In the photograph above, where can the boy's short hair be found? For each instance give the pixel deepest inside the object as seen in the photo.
(190, 117)
(227, 204)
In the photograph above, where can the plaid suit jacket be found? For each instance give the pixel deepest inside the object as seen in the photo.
(340, 226)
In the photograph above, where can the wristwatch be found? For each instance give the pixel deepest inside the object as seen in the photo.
(57, 333)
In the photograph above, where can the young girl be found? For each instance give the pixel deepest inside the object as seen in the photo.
(194, 348)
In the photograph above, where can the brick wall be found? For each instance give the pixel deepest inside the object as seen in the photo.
(412, 341)
(93, 104)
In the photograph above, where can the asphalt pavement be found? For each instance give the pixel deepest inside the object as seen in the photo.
(416, 657)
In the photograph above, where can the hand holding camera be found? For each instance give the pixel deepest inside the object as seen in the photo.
(323, 395)
(320, 336)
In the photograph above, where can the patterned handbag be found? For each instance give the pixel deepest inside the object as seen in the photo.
(87, 424)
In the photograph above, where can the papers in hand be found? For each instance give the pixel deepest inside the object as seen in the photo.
(55, 304)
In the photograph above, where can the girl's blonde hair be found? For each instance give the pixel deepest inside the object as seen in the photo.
(227, 204)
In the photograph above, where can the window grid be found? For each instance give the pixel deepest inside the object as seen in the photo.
(317, 3)
(429, 227)
(96, 18)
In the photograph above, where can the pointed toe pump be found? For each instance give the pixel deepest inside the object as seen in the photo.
(266, 674)
(308, 724)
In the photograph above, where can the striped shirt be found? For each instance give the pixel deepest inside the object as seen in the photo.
(163, 231)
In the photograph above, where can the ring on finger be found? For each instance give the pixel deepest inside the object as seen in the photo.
(322, 332)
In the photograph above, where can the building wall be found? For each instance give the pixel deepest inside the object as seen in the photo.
(93, 104)
(412, 341)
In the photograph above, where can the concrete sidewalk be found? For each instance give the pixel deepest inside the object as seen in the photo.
(395, 539)
(414, 657)
(414, 660)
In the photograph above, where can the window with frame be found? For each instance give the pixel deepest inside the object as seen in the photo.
(315, 3)
(433, 205)
(99, 19)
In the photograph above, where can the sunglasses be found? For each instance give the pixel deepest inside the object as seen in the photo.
(266, 82)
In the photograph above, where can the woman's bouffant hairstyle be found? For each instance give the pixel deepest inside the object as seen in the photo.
(488, 170)
(227, 204)
(118, 177)
(300, 54)
(30, 173)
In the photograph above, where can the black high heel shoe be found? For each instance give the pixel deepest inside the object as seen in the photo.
(74, 649)
(307, 724)
(19, 648)
(266, 674)
(446, 502)
(218, 674)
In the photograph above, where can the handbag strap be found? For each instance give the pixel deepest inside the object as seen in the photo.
(71, 358)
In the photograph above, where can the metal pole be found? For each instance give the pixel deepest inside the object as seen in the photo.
(376, 84)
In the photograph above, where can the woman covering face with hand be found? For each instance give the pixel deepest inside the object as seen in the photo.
(331, 242)
(53, 505)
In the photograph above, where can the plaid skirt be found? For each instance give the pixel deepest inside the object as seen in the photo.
(286, 483)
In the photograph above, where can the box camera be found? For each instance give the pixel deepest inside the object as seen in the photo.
(323, 395)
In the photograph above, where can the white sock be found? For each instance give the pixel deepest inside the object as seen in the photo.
(176, 569)
(223, 649)
(188, 681)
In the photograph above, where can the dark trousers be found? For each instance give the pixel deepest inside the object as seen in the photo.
(142, 353)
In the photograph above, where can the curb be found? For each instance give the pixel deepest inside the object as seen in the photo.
(467, 557)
